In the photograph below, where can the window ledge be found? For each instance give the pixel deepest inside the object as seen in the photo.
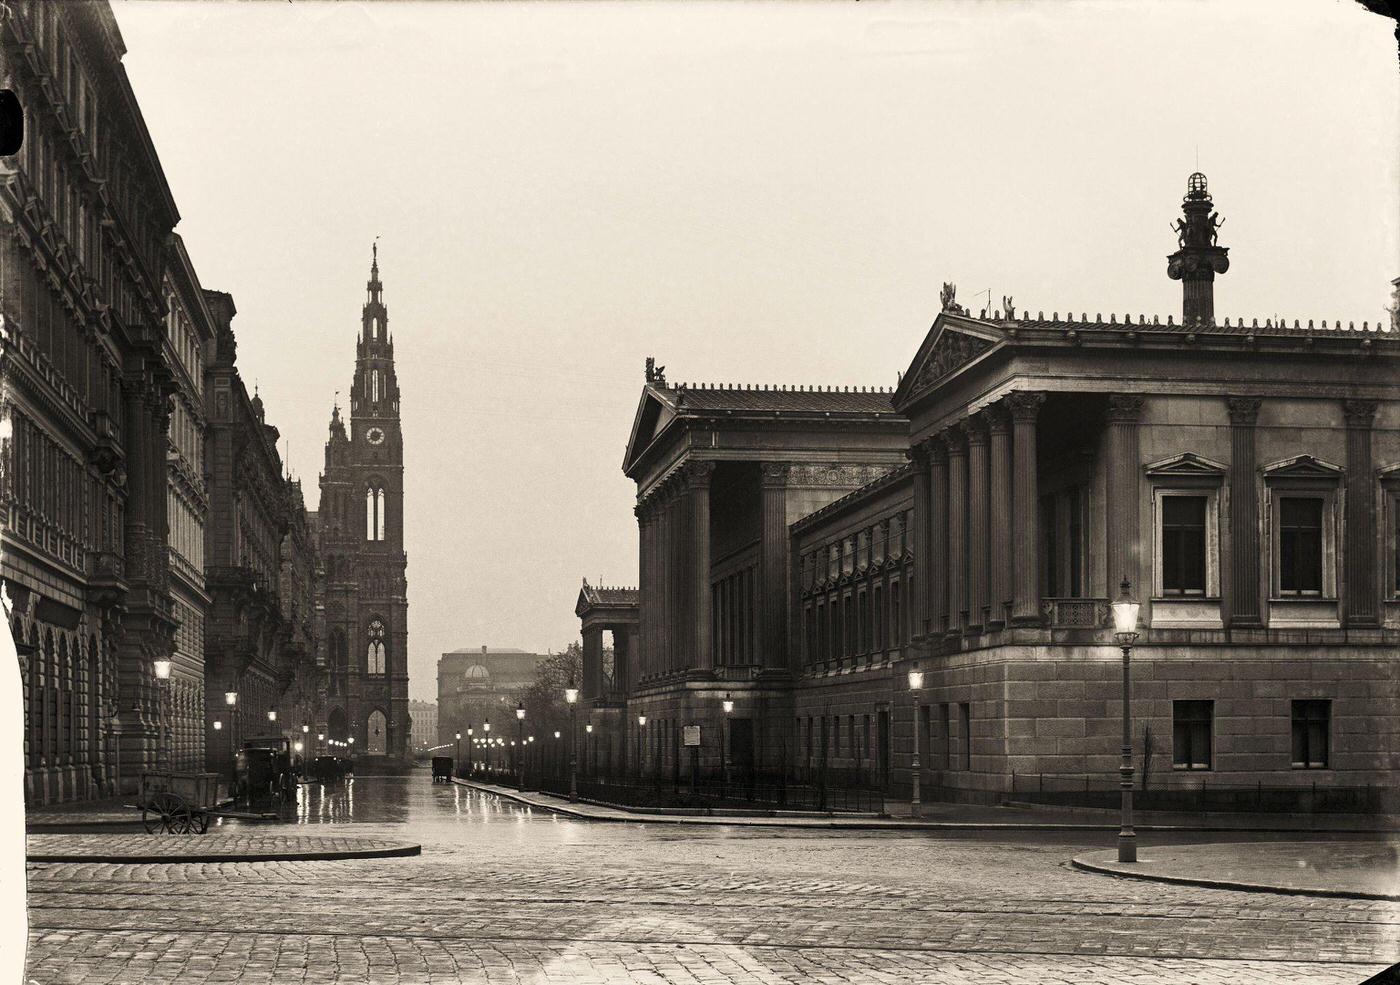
(1303, 612)
(1186, 612)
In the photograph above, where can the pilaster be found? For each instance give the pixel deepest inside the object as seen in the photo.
(1360, 604)
(1243, 608)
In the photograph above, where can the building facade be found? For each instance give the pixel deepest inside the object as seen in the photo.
(189, 334)
(85, 212)
(424, 730)
(1242, 479)
(361, 533)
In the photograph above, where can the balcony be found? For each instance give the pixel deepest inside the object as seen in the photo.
(1076, 613)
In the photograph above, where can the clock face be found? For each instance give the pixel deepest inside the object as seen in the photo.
(375, 436)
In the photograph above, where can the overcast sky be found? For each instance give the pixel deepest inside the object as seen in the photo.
(766, 193)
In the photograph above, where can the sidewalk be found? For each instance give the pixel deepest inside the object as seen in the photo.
(166, 848)
(1354, 870)
(941, 816)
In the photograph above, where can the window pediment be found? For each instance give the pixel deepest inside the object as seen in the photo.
(1186, 466)
(1302, 467)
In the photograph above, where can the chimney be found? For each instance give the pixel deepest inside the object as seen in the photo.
(1198, 258)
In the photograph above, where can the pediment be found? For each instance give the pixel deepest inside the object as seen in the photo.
(1186, 466)
(654, 413)
(1302, 467)
(949, 348)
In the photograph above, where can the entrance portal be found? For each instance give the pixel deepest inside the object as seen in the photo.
(376, 734)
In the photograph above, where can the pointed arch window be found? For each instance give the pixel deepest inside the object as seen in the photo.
(376, 519)
(374, 385)
(374, 656)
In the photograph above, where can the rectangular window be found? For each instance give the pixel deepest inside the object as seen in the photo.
(895, 636)
(1076, 543)
(851, 737)
(965, 730)
(1184, 545)
(1191, 734)
(1312, 721)
(879, 629)
(1300, 545)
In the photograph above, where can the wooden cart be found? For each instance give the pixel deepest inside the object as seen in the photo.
(177, 802)
(182, 803)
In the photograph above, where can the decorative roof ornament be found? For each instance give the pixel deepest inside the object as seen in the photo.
(655, 374)
(1199, 257)
(1009, 306)
(948, 298)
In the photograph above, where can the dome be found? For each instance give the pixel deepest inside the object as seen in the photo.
(476, 672)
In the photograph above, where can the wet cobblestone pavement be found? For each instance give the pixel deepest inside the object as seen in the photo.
(505, 894)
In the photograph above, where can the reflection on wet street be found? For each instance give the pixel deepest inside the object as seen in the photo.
(433, 812)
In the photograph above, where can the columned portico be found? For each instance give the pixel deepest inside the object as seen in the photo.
(955, 439)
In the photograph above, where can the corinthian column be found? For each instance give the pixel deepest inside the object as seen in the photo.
(1124, 411)
(1359, 597)
(702, 656)
(1000, 511)
(977, 540)
(923, 574)
(957, 529)
(1025, 602)
(774, 558)
(936, 584)
(1243, 600)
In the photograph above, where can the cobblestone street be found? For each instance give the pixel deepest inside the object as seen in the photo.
(505, 894)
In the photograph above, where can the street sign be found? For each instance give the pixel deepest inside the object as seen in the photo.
(690, 735)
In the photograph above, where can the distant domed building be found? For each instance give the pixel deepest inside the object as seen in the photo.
(475, 684)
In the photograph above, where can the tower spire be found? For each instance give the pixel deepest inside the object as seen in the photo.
(1199, 257)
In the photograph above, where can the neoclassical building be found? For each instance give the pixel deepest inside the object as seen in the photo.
(802, 550)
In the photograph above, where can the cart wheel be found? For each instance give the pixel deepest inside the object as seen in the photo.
(165, 812)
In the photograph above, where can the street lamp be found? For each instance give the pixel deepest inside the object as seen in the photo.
(587, 731)
(571, 697)
(470, 743)
(272, 714)
(916, 684)
(641, 724)
(231, 700)
(519, 757)
(162, 669)
(458, 759)
(728, 705)
(1125, 617)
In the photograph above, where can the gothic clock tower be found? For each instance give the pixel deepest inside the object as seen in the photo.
(361, 521)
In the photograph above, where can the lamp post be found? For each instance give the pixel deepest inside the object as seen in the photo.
(162, 669)
(641, 724)
(1125, 616)
(457, 752)
(305, 742)
(231, 701)
(486, 727)
(520, 755)
(916, 684)
(728, 706)
(587, 731)
(470, 733)
(571, 696)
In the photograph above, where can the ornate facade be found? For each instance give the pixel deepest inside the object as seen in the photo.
(361, 532)
(86, 214)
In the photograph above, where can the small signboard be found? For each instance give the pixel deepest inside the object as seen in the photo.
(690, 735)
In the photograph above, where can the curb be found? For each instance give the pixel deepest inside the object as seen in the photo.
(1244, 887)
(893, 825)
(130, 858)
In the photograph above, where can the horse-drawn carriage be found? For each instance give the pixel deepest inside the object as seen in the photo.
(263, 769)
(442, 769)
(329, 769)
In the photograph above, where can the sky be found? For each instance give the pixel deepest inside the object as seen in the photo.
(753, 192)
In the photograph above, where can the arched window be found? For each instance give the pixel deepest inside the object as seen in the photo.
(375, 517)
(374, 385)
(374, 656)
